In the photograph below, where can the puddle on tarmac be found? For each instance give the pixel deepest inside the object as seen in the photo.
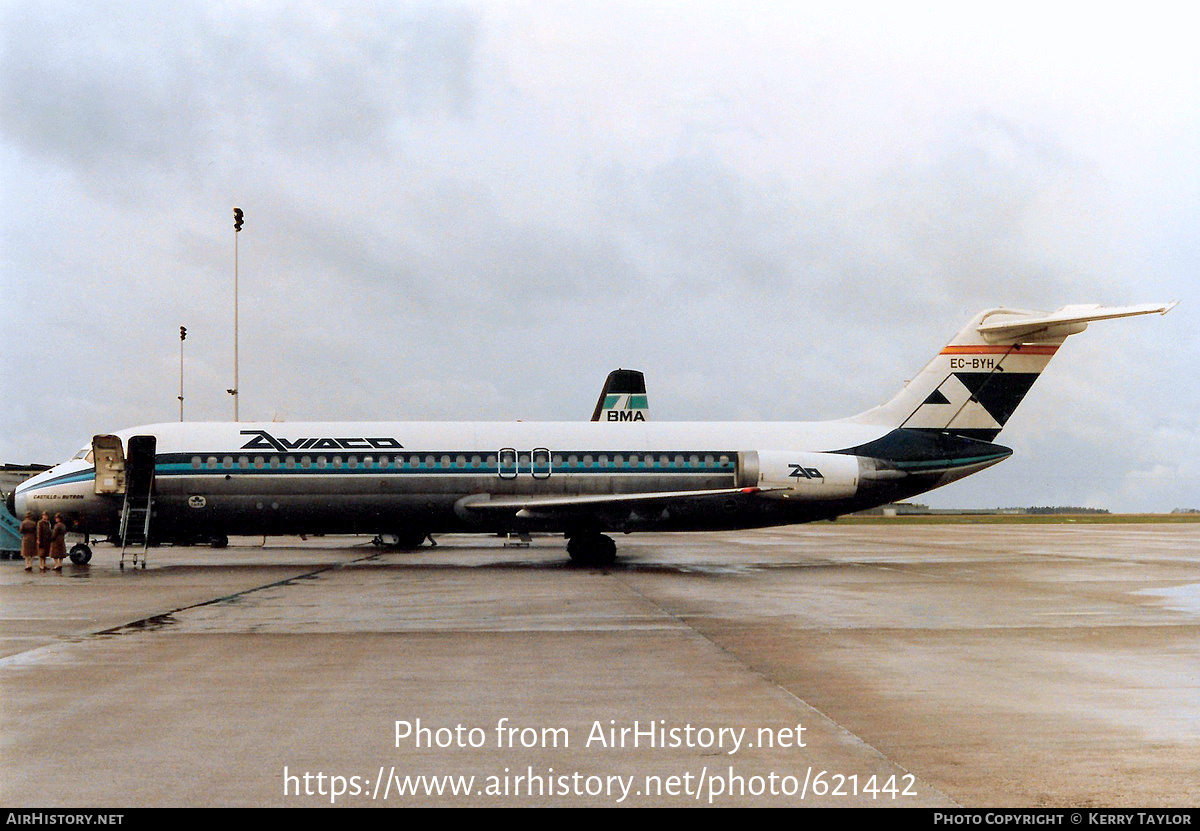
(1185, 598)
(149, 624)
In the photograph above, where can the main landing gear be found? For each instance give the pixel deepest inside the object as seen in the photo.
(591, 548)
(406, 539)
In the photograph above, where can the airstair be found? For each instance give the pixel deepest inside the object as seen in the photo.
(138, 507)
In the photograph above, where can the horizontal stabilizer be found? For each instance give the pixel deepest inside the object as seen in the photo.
(1013, 326)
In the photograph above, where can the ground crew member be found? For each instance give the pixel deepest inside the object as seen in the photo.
(58, 541)
(29, 540)
(43, 538)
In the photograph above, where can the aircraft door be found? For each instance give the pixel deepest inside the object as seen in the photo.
(140, 464)
(539, 464)
(109, 458)
(506, 461)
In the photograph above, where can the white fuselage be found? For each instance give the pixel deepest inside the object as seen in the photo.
(374, 476)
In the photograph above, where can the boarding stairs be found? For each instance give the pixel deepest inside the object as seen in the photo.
(138, 507)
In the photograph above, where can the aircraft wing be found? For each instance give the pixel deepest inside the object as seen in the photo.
(528, 506)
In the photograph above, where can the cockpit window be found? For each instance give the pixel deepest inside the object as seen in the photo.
(84, 453)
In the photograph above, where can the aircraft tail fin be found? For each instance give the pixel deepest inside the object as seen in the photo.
(623, 397)
(976, 381)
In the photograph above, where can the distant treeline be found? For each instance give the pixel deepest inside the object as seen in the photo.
(1061, 509)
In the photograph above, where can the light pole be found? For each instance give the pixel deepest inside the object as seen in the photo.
(237, 229)
(182, 335)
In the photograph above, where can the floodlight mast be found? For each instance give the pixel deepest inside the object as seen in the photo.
(238, 219)
(182, 336)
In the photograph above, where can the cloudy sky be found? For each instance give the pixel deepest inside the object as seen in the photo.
(475, 210)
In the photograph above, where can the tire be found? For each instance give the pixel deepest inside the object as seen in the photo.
(80, 554)
(409, 540)
(592, 549)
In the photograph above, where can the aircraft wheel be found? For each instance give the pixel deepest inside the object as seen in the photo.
(409, 540)
(219, 541)
(592, 549)
(80, 554)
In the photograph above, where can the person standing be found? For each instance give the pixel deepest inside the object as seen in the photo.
(43, 538)
(29, 540)
(58, 541)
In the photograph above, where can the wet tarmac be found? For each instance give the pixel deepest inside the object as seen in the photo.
(982, 666)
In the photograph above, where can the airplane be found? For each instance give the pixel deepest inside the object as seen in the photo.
(581, 479)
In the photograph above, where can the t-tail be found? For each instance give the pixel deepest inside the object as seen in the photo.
(623, 397)
(971, 388)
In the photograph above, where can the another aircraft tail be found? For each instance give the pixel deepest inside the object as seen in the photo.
(975, 383)
(623, 397)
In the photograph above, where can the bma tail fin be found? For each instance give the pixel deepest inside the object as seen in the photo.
(976, 382)
(623, 397)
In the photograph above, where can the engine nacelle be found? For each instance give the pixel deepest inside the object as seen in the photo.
(806, 475)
